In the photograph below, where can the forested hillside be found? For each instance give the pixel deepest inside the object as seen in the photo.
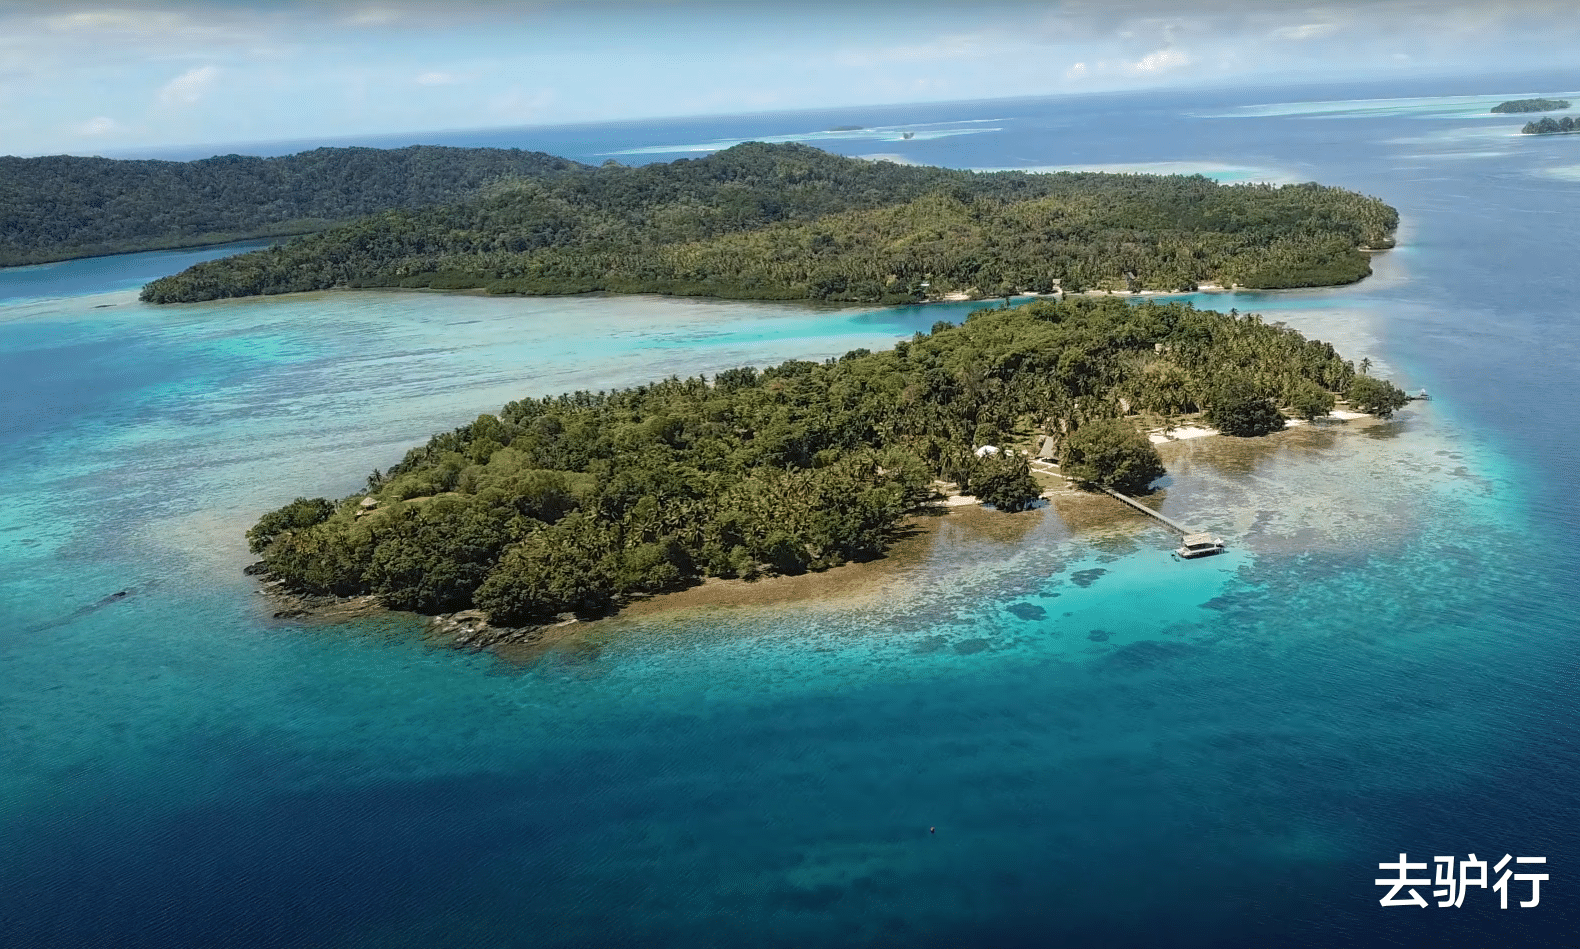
(581, 501)
(61, 207)
(789, 222)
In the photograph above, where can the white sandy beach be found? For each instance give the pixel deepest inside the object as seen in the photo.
(1184, 431)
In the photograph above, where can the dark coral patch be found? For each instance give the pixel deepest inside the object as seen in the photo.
(1027, 611)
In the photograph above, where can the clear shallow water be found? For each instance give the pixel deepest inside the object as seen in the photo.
(1213, 754)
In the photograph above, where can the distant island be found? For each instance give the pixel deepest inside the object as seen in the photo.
(848, 128)
(789, 222)
(62, 207)
(1550, 125)
(579, 503)
(1531, 105)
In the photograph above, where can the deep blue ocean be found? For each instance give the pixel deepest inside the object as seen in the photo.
(1213, 754)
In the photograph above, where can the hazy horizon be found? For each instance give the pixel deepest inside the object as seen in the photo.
(167, 76)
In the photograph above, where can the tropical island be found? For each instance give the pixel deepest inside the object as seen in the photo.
(62, 207)
(581, 502)
(1530, 105)
(790, 222)
(1550, 126)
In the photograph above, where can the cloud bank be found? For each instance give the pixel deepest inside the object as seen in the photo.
(87, 76)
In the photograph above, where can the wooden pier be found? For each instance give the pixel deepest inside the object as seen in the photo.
(1196, 543)
(1149, 512)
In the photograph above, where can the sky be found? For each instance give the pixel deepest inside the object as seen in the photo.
(99, 78)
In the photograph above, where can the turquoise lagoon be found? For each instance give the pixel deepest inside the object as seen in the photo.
(1109, 747)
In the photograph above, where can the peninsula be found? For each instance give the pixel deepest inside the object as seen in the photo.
(580, 502)
(1517, 106)
(790, 222)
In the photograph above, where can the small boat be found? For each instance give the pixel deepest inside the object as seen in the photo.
(1199, 545)
(1422, 396)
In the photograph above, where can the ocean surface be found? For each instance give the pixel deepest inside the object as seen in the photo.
(1041, 730)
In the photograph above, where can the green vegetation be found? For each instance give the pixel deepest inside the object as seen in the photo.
(1244, 410)
(1376, 396)
(1530, 105)
(789, 222)
(1004, 481)
(62, 207)
(1550, 125)
(1111, 453)
(582, 501)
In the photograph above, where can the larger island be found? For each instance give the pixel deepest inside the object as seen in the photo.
(790, 222)
(63, 206)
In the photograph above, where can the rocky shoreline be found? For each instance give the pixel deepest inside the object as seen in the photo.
(466, 629)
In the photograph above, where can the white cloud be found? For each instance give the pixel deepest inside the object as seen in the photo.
(1077, 71)
(188, 87)
(109, 20)
(1305, 31)
(98, 125)
(437, 78)
(1161, 61)
(158, 27)
(374, 16)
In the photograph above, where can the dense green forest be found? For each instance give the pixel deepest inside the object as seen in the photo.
(790, 222)
(1530, 105)
(581, 501)
(1550, 125)
(61, 207)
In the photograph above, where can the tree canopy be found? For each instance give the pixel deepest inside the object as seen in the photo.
(1240, 408)
(1550, 126)
(1113, 454)
(1376, 396)
(61, 207)
(790, 222)
(1516, 106)
(581, 501)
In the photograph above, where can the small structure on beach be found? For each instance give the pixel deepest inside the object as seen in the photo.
(986, 450)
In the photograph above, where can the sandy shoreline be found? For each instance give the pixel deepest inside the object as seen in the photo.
(848, 586)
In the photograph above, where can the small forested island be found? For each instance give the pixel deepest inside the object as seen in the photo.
(581, 502)
(1550, 125)
(790, 222)
(1530, 105)
(61, 207)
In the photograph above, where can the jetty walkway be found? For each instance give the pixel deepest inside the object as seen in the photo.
(1047, 467)
(1151, 513)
